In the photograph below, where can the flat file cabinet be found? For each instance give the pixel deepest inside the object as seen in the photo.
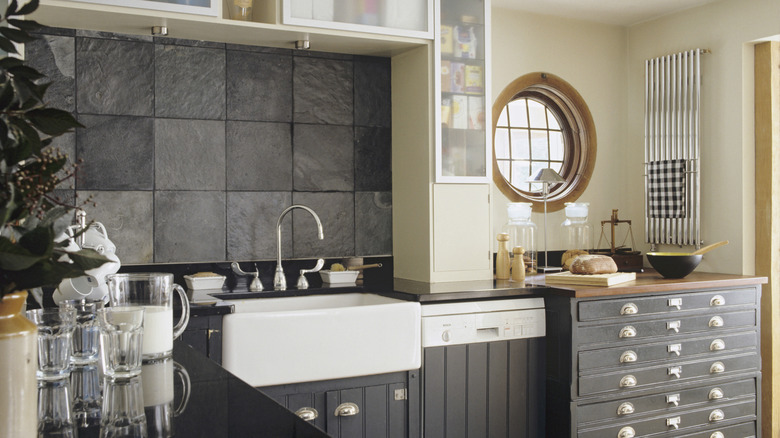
(680, 363)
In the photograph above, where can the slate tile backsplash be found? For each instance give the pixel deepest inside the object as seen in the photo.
(192, 149)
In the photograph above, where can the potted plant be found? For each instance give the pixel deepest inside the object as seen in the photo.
(31, 218)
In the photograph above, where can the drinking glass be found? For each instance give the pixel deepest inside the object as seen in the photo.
(85, 384)
(123, 409)
(121, 336)
(54, 414)
(159, 379)
(55, 329)
(86, 334)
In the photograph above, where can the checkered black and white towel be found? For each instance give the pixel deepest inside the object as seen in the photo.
(666, 189)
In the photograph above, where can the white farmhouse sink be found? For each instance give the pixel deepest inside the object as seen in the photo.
(273, 341)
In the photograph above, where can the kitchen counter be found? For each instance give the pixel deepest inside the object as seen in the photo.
(427, 293)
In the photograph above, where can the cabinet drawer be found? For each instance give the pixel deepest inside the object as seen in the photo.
(629, 332)
(667, 403)
(672, 349)
(651, 376)
(742, 430)
(632, 307)
(691, 421)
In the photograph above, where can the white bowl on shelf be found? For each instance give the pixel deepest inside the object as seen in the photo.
(339, 277)
(204, 282)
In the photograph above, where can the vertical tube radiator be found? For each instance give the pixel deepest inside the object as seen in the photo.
(672, 150)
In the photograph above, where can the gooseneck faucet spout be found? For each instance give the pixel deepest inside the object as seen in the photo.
(280, 282)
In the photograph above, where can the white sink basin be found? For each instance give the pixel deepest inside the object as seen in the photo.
(273, 341)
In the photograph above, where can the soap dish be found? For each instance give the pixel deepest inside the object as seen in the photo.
(339, 277)
(204, 282)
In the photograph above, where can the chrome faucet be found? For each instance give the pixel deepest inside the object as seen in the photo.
(280, 282)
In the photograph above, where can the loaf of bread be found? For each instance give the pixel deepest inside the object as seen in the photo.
(593, 264)
(569, 257)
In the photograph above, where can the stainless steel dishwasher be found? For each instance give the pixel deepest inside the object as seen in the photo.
(483, 369)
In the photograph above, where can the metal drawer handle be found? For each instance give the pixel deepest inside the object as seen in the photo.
(718, 300)
(717, 434)
(628, 356)
(673, 422)
(674, 348)
(675, 371)
(628, 381)
(717, 368)
(346, 410)
(673, 399)
(627, 432)
(627, 332)
(307, 413)
(717, 345)
(717, 415)
(715, 394)
(716, 321)
(675, 302)
(629, 309)
(673, 325)
(625, 409)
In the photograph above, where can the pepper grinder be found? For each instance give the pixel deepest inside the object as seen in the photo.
(518, 266)
(502, 257)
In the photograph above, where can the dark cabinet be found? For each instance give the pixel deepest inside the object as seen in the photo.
(204, 334)
(379, 406)
(666, 364)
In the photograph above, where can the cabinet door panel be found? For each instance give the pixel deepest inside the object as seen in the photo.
(375, 408)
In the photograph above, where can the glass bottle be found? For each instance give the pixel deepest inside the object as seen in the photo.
(522, 232)
(575, 230)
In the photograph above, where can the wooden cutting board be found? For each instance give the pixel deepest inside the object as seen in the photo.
(590, 280)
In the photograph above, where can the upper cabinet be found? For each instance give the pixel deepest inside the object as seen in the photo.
(462, 56)
(201, 7)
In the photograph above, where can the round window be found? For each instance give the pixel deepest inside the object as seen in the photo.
(540, 121)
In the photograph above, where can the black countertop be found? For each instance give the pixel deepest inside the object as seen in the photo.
(219, 405)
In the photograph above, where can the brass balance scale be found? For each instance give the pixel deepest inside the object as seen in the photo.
(626, 258)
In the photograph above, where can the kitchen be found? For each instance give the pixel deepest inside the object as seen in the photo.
(603, 61)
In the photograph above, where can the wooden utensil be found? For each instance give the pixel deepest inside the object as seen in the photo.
(359, 267)
(709, 248)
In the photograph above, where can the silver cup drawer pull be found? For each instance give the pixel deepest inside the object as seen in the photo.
(628, 357)
(625, 409)
(629, 309)
(717, 300)
(717, 415)
(627, 332)
(307, 413)
(715, 394)
(716, 321)
(673, 325)
(717, 345)
(626, 432)
(675, 371)
(346, 410)
(674, 348)
(717, 368)
(673, 422)
(628, 381)
(675, 302)
(717, 434)
(673, 399)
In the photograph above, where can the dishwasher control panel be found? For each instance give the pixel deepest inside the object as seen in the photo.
(469, 328)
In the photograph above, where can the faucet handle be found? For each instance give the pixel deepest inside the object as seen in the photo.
(302, 282)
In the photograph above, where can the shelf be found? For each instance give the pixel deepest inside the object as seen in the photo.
(76, 15)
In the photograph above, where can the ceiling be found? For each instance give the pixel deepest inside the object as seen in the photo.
(617, 12)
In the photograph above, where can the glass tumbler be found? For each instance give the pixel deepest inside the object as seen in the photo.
(86, 334)
(55, 329)
(85, 384)
(123, 409)
(54, 413)
(121, 339)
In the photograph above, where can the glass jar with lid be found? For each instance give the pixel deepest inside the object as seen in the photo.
(575, 230)
(522, 232)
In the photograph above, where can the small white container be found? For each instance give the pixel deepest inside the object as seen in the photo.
(339, 277)
(209, 282)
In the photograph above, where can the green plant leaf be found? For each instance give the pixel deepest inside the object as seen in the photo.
(52, 121)
(24, 24)
(11, 9)
(15, 258)
(9, 62)
(16, 35)
(39, 241)
(7, 46)
(6, 95)
(87, 259)
(25, 72)
(28, 8)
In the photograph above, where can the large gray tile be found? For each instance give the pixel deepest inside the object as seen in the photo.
(189, 154)
(117, 153)
(323, 158)
(322, 91)
(373, 223)
(337, 214)
(251, 225)
(129, 222)
(189, 82)
(55, 57)
(114, 36)
(114, 77)
(372, 92)
(373, 159)
(259, 156)
(259, 86)
(189, 226)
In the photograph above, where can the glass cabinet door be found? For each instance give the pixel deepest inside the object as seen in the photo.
(411, 18)
(462, 58)
(200, 7)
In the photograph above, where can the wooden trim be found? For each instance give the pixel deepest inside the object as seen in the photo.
(767, 138)
(583, 133)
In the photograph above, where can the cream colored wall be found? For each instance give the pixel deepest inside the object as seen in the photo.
(592, 58)
(727, 163)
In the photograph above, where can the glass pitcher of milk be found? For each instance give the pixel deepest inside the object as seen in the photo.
(153, 291)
